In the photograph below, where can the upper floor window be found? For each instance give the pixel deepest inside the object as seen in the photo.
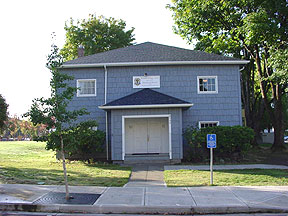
(86, 87)
(207, 84)
(204, 124)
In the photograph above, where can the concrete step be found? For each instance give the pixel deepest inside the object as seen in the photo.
(149, 159)
(147, 162)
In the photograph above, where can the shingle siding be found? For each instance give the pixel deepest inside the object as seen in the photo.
(176, 81)
(90, 103)
(181, 82)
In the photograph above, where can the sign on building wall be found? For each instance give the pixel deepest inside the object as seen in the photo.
(146, 81)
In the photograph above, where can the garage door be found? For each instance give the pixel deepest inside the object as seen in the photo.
(146, 135)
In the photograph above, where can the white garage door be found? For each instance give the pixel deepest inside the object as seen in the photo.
(146, 135)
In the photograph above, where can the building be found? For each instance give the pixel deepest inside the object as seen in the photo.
(145, 95)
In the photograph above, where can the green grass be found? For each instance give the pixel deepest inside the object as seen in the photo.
(247, 177)
(29, 163)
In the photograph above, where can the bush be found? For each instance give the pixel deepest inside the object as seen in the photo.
(232, 142)
(80, 142)
(89, 142)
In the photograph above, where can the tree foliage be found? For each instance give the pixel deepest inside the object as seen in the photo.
(3, 112)
(19, 129)
(96, 34)
(53, 111)
(250, 28)
(278, 61)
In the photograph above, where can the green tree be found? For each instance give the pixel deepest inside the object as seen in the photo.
(3, 112)
(53, 111)
(254, 27)
(96, 34)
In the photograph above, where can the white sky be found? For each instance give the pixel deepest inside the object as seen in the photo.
(25, 36)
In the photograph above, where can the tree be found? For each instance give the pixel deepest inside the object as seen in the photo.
(13, 126)
(3, 112)
(96, 35)
(28, 130)
(53, 111)
(252, 25)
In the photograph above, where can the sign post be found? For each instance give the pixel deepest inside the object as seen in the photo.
(211, 143)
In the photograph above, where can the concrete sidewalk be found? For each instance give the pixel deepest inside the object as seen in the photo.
(147, 175)
(152, 200)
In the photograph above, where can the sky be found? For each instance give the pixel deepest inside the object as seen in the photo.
(26, 28)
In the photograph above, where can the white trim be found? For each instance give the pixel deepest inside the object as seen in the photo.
(107, 135)
(207, 92)
(86, 95)
(225, 62)
(144, 106)
(170, 137)
(146, 116)
(123, 138)
(207, 122)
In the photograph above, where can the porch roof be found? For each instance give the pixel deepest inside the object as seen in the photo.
(146, 98)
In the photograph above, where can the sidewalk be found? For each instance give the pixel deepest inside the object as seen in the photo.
(152, 200)
(148, 175)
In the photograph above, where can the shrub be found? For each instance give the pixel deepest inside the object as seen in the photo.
(88, 142)
(81, 142)
(232, 142)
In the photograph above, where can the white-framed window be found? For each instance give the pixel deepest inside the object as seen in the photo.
(207, 84)
(204, 124)
(86, 87)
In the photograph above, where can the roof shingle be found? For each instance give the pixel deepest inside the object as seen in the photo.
(146, 97)
(148, 52)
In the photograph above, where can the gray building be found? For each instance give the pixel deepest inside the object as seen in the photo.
(145, 95)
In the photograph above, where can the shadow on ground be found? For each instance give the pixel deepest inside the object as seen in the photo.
(12, 175)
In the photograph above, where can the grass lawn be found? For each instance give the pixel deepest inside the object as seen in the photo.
(247, 177)
(29, 163)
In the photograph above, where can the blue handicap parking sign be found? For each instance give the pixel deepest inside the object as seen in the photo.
(211, 140)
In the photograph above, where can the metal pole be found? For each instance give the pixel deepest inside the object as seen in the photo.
(211, 166)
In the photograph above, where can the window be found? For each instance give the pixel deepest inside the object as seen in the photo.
(207, 84)
(86, 87)
(204, 124)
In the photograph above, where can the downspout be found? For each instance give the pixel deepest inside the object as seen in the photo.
(106, 113)
(105, 85)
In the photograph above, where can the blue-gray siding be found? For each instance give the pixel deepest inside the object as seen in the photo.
(176, 81)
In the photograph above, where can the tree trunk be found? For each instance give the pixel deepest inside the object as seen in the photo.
(253, 105)
(67, 197)
(257, 135)
(278, 125)
(276, 114)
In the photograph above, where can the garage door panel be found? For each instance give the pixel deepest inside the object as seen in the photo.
(154, 135)
(140, 134)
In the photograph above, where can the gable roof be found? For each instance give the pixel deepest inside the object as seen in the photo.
(150, 53)
(146, 98)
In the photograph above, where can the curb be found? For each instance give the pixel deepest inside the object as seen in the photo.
(125, 209)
